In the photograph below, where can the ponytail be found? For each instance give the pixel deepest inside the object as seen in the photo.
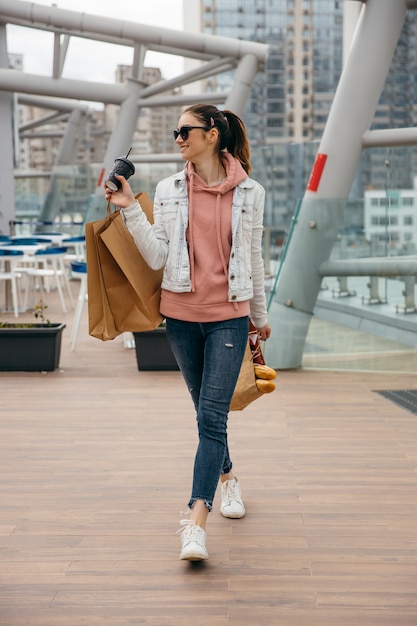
(232, 131)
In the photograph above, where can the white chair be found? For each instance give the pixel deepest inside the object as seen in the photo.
(76, 246)
(49, 263)
(79, 270)
(9, 273)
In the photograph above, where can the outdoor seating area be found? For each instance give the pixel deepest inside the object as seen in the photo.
(96, 459)
(32, 265)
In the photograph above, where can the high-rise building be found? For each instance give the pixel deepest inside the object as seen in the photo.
(290, 101)
(291, 98)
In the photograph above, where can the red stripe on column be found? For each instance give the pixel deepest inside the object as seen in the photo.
(100, 178)
(316, 172)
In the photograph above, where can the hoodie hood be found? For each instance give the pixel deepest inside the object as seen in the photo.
(235, 174)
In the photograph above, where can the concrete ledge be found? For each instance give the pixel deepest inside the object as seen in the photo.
(380, 319)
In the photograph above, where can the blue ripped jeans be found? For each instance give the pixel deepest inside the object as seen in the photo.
(209, 355)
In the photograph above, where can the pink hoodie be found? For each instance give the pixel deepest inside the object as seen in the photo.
(209, 239)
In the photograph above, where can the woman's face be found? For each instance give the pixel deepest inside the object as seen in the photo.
(197, 144)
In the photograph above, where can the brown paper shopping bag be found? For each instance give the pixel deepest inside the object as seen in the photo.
(100, 319)
(123, 292)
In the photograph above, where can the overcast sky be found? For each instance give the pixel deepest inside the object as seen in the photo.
(90, 60)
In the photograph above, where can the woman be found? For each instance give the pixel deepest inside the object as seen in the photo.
(207, 236)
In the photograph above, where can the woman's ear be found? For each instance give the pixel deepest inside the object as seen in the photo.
(212, 135)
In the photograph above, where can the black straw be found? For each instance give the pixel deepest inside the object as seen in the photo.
(128, 152)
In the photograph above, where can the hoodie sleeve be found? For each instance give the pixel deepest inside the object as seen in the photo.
(258, 310)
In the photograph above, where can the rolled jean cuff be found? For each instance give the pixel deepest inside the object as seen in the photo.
(227, 469)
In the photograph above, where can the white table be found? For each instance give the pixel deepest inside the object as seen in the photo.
(54, 238)
(28, 250)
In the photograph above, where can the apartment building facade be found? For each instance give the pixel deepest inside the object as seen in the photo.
(291, 99)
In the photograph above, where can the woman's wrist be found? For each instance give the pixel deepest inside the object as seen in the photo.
(131, 207)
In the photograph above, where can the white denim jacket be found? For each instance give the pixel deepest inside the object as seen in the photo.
(164, 244)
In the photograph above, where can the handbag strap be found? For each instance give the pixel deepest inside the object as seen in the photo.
(255, 345)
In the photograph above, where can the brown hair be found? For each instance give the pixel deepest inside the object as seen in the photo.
(232, 131)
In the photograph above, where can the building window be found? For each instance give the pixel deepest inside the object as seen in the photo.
(384, 220)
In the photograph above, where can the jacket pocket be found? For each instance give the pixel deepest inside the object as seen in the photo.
(169, 211)
(247, 217)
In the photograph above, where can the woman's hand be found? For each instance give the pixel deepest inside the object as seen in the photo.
(122, 198)
(264, 332)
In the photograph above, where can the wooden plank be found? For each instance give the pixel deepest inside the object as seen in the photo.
(96, 461)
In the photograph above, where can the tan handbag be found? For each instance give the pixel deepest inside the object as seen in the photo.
(123, 291)
(246, 390)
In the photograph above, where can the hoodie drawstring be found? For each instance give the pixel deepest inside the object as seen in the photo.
(190, 228)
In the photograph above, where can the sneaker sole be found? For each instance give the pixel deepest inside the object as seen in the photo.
(193, 556)
(233, 515)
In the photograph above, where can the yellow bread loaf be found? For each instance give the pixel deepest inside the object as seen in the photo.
(265, 386)
(265, 372)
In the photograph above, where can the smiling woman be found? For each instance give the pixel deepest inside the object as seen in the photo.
(94, 60)
(206, 236)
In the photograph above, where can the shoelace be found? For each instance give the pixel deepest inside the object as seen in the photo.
(232, 491)
(191, 531)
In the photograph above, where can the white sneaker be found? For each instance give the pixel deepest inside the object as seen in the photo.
(232, 503)
(193, 540)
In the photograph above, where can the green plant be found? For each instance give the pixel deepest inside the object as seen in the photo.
(38, 313)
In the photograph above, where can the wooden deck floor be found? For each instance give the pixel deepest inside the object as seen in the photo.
(96, 462)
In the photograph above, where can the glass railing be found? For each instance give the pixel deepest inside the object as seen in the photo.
(361, 321)
(70, 193)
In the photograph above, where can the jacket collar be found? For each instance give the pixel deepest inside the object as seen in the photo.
(181, 176)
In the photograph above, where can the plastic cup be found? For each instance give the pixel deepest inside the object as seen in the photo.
(121, 167)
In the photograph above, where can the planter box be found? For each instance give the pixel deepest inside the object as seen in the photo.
(153, 351)
(33, 349)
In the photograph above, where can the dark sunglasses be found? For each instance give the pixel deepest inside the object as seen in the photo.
(185, 130)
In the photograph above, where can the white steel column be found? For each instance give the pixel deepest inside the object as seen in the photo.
(321, 212)
(242, 84)
(351, 12)
(74, 133)
(7, 197)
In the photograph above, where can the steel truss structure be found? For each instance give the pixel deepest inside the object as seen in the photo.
(216, 54)
(374, 37)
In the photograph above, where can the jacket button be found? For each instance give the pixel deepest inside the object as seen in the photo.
(232, 277)
(233, 297)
